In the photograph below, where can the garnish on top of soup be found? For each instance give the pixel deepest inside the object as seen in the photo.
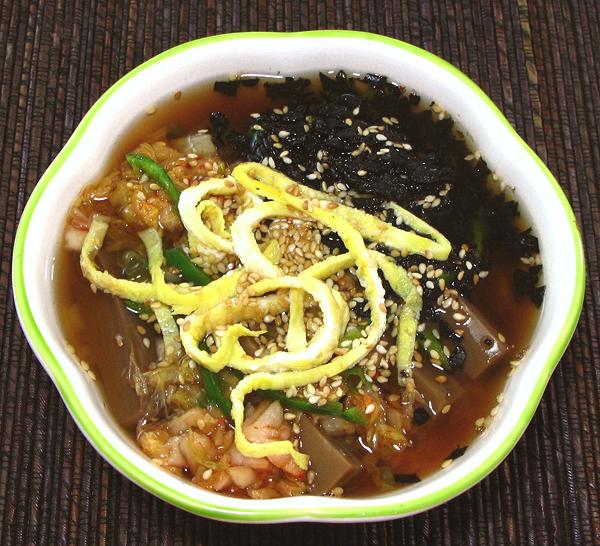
(321, 297)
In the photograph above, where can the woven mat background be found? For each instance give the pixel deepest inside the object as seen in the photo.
(539, 60)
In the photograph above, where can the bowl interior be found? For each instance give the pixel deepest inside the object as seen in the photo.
(85, 158)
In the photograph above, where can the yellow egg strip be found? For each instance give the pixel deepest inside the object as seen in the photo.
(215, 305)
(319, 350)
(182, 299)
(243, 240)
(408, 317)
(369, 226)
(193, 210)
(366, 264)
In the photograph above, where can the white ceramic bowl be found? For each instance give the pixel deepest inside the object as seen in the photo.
(84, 158)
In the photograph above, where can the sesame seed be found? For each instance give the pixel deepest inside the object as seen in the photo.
(501, 338)
(361, 173)
(207, 474)
(459, 317)
(370, 409)
(446, 409)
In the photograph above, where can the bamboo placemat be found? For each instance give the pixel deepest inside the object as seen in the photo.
(538, 60)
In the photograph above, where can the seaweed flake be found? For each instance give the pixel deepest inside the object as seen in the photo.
(228, 88)
(458, 452)
(406, 478)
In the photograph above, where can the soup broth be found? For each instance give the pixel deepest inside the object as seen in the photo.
(425, 433)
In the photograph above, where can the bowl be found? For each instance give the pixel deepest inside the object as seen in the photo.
(84, 157)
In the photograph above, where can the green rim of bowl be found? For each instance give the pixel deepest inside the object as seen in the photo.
(386, 509)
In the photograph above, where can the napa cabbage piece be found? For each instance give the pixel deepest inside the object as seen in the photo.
(369, 226)
(170, 333)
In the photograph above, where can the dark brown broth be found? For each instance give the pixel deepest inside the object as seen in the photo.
(88, 325)
(189, 112)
